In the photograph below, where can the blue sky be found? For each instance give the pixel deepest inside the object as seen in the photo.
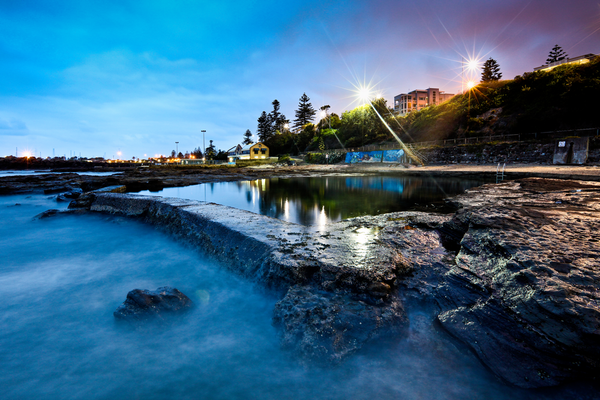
(98, 77)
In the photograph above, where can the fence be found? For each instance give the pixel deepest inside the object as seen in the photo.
(516, 137)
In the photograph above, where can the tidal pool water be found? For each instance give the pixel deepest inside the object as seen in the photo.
(318, 201)
(62, 277)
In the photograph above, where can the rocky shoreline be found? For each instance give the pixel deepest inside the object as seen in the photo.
(513, 274)
(157, 178)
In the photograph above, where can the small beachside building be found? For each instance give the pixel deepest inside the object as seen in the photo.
(233, 154)
(255, 151)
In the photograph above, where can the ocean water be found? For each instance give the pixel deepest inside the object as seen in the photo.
(61, 278)
(41, 172)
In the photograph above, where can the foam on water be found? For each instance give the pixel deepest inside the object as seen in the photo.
(61, 279)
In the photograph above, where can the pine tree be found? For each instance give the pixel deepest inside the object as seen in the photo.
(305, 112)
(264, 127)
(556, 54)
(491, 71)
(277, 119)
(247, 137)
(197, 153)
(211, 151)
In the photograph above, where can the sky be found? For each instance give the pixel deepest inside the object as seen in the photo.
(123, 79)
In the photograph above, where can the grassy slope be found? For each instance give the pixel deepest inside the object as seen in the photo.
(564, 98)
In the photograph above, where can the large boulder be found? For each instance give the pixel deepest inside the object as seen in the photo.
(325, 327)
(142, 305)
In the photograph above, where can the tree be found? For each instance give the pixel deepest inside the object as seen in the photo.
(491, 71)
(221, 155)
(264, 127)
(556, 54)
(197, 153)
(247, 137)
(305, 112)
(211, 152)
(276, 118)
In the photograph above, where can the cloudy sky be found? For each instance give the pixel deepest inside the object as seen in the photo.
(94, 78)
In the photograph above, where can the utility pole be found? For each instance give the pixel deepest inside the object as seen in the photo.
(203, 144)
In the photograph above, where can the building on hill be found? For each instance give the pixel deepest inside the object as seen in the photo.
(254, 151)
(575, 60)
(418, 99)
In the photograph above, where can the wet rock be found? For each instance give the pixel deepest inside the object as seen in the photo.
(326, 327)
(68, 196)
(47, 214)
(83, 202)
(523, 293)
(144, 305)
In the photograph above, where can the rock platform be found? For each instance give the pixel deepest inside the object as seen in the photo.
(514, 274)
(351, 275)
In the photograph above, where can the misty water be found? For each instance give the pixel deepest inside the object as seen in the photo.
(62, 277)
(318, 201)
(44, 172)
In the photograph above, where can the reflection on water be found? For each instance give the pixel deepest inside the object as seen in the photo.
(318, 201)
(361, 238)
(61, 278)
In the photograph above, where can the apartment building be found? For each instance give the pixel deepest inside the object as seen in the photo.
(418, 99)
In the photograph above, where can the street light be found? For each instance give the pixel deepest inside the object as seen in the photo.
(203, 145)
(324, 109)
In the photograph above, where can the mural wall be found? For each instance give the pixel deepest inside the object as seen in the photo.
(364, 157)
(389, 156)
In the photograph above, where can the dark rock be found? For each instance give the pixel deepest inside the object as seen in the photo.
(326, 327)
(83, 202)
(47, 214)
(68, 196)
(523, 294)
(143, 305)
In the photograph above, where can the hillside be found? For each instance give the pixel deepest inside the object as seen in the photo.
(534, 105)
(561, 99)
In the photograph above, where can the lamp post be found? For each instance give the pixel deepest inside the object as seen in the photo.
(203, 145)
(325, 108)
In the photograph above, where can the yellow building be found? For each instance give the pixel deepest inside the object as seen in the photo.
(256, 151)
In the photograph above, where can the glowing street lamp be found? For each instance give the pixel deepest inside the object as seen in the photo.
(203, 145)
(365, 94)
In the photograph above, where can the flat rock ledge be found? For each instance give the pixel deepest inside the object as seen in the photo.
(346, 269)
